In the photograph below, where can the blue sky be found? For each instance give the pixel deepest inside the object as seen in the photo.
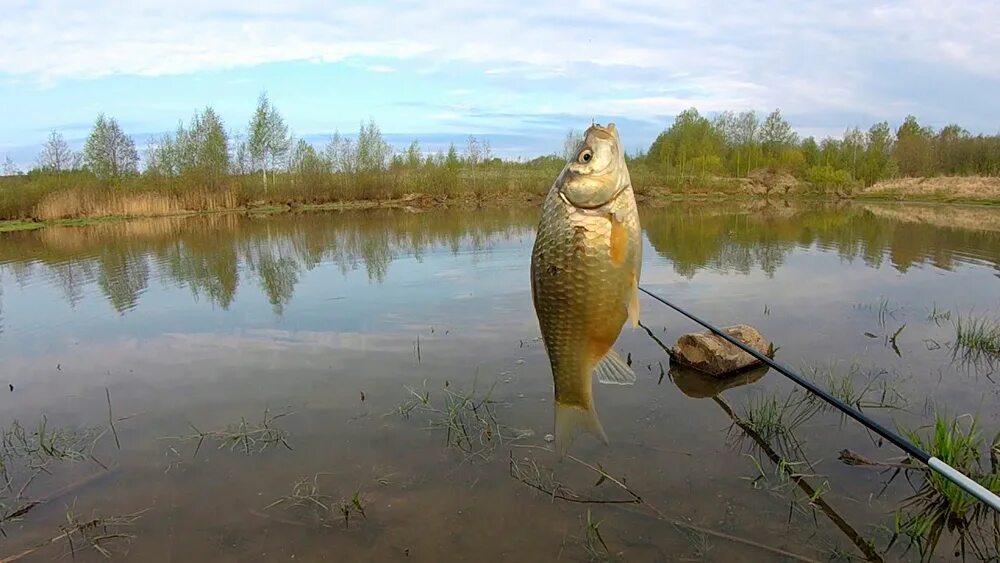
(518, 74)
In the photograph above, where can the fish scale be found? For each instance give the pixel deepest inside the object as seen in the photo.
(585, 270)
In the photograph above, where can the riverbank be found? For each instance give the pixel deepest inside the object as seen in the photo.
(974, 214)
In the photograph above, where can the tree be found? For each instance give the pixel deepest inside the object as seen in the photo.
(852, 150)
(9, 168)
(810, 150)
(109, 153)
(341, 153)
(878, 163)
(948, 151)
(747, 130)
(373, 152)
(268, 140)
(413, 155)
(571, 143)
(776, 135)
(56, 156)
(307, 164)
(473, 153)
(914, 150)
(691, 144)
(210, 147)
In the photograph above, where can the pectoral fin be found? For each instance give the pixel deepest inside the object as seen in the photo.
(633, 303)
(613, 370)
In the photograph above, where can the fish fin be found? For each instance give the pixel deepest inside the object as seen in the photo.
(613, 370)
(633, 305)
(573, 419)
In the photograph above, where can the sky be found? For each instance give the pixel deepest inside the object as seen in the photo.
(519, 74)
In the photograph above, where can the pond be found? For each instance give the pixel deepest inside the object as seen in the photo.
(238, 387)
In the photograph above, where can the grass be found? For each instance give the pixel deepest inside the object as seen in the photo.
(938, 315)
(307, 499)
(468, 420)
(775, 419)
(977, 340)
(77, 534)
(250, 438)
(938, 505)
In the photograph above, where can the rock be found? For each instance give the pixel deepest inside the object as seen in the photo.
(708, 353)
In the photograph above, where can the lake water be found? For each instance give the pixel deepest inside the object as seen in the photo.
(188, 326)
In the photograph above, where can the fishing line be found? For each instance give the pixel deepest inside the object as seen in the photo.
(942, 468)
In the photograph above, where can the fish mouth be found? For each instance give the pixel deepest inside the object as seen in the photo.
(580, 195)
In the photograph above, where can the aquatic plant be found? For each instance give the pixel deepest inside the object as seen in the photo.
(249, 437)
(939, 504)
(468, 419)
(977, 340)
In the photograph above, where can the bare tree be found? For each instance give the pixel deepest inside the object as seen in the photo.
(56, 156)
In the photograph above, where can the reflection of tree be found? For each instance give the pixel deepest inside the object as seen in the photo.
(72, 277)
(694, 238)
(206, 254)
(278, 276)
(207, 269)
(122, 277)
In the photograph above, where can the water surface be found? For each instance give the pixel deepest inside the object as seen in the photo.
(192, 324)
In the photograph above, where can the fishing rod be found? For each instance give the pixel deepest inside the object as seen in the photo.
(948, 472)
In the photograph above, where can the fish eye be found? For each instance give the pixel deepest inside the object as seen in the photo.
(585, 156)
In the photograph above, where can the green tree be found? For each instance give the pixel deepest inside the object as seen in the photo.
(268, 141)
(307, 164)
(109, 153)
(852, 152)
(341, 153)
(747, 133)
(914, 150)
(948, 149)
(210, 147)
(373, 153)
(776, 136)
(56, 156)
(878, 163)
(691, 145)
(810, 150)
(413, 158)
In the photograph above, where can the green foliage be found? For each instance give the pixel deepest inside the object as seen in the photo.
(198, 154)
(268, 141)
(109, 153)
(828, 177)
(691, 146)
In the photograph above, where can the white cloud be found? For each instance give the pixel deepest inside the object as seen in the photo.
(661, 57)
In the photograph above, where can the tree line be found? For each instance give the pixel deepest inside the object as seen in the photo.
(203, 153)
(735, 144)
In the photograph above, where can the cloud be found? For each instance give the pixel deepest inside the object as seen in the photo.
(644, 59)
(769, 39)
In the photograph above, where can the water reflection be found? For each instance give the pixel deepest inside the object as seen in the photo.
(727, 238)
(213, 256)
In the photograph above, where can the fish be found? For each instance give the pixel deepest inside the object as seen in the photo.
(585, 267)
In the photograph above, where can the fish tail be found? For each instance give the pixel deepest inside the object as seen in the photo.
(573, 419)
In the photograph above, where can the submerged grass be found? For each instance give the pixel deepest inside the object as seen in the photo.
(307, 500)
(250, 438)
(468, 419)
(29, 454)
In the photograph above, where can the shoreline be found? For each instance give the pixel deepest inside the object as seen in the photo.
(423, 202)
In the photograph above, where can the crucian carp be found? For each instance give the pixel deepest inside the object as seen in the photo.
(585, 267)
